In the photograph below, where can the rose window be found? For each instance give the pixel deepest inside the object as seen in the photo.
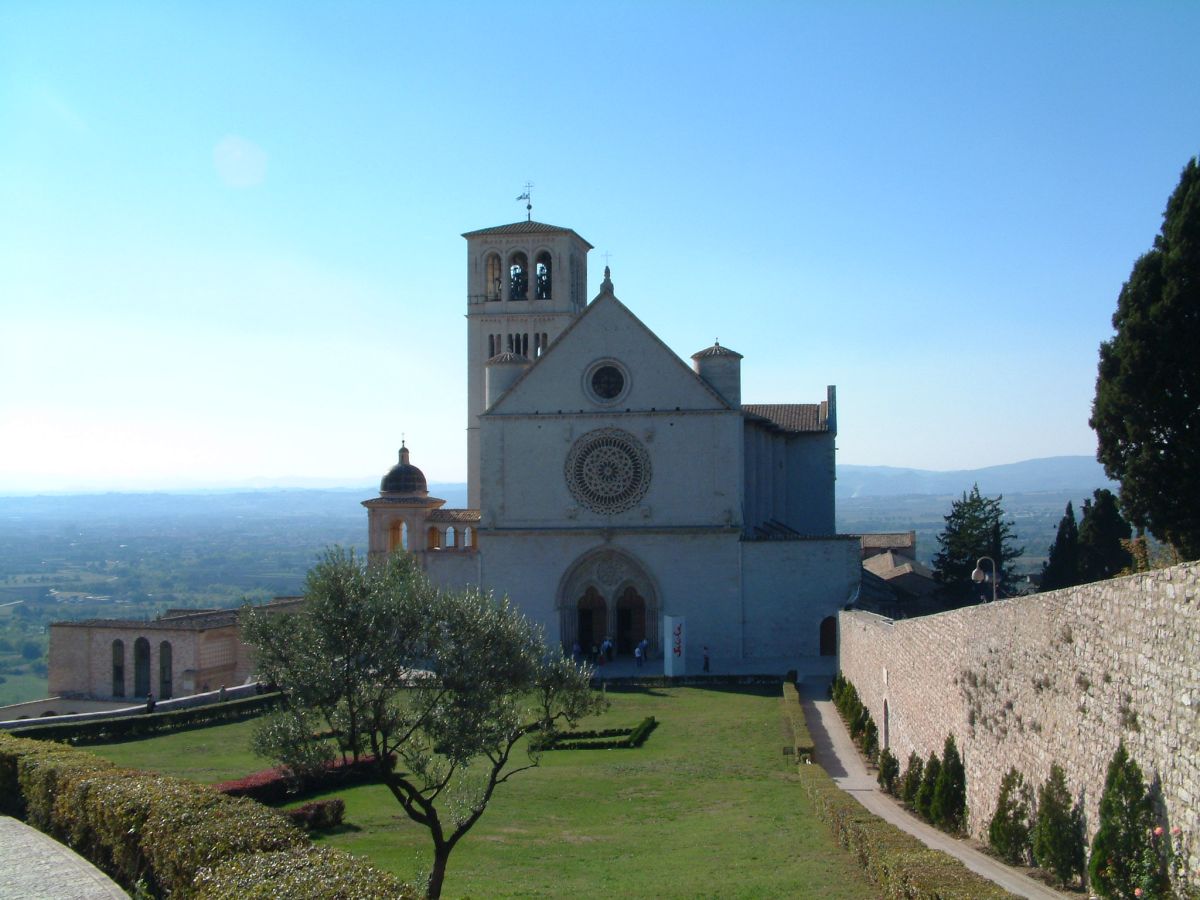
(608, 471)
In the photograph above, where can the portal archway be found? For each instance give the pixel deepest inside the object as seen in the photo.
(608, 592)
(828, 636)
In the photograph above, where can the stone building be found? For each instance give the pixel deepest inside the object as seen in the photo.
(611, 484)
(183, 652)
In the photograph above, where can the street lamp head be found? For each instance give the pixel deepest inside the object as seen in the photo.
(978, 575)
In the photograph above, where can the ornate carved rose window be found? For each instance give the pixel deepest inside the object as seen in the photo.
(608, 471)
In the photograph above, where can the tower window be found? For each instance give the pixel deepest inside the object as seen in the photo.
(494, 282)
(491, 345)
(542, 273)
(518, 277)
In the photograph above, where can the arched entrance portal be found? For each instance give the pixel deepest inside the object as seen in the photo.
(631, 620)
(829, 636)
(608, 593)
(592, 618)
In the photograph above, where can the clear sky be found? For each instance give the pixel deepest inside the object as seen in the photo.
(229, 232)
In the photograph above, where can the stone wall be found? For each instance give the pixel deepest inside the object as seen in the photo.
(1058, 677)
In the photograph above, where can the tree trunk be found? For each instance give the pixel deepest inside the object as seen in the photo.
(437, 875)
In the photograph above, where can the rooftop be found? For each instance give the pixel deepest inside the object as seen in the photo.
(796, 418)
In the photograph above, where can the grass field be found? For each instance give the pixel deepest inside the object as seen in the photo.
(19, 688)
(708, 807)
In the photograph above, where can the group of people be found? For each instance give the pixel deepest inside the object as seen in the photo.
(601, 654)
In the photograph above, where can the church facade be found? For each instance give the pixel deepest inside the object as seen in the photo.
(611, 484)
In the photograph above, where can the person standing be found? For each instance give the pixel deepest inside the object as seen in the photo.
(637, 655)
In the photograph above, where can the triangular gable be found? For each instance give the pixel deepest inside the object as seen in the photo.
(658, 379)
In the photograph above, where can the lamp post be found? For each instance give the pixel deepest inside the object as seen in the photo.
(979, 576)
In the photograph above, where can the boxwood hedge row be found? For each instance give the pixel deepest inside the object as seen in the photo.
(163, 832)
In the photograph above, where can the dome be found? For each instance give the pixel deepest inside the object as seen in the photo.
(404, 478)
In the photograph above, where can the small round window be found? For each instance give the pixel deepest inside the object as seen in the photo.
(606, 382)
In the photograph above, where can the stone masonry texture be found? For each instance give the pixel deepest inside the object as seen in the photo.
(1057, 677)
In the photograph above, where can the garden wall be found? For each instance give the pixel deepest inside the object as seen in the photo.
(1056, 677)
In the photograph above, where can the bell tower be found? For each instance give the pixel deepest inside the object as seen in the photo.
(526, 282)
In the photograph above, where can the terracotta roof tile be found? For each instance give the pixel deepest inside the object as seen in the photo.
(525, 228)
(793, 417)
(467, 516)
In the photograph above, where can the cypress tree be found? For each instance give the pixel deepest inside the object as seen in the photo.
(1008, 831)
(948, 806)
(910, 784)
(1061, 569)
(1125, 829)
(1101, 532)
(933, 767)
(1058, 839)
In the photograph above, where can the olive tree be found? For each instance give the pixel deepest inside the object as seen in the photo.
(435, 691)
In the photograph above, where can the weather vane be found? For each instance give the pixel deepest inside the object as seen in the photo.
(528, 202)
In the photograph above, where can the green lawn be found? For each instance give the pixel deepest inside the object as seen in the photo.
(19, 688)
(707, 808)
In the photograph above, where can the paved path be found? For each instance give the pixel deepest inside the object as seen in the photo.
(34, 866)
(836, 753)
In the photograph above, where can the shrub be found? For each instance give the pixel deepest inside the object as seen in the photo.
(802, 742)
(870, 738)
(1058, 837)
(1124, 832)
(1008, 832)
(300, 874)
(924, 802)
(889, 771)
(948, 806)
(319, 815)
(279, 785)
(910, 784)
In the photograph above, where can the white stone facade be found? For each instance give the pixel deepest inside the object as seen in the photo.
(611, 483)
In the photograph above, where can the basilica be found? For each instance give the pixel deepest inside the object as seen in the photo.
(612, 487)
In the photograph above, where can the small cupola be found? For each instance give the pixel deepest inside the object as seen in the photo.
(501, 373)
(721, 370)
(404, 479)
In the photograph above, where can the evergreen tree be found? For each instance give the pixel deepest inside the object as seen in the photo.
(889, 771)
(1062, 567)
(948, 807)
(924, 804)
(910, 783)
(1058, 837)
(974, 528)
(1008, 832)
(1101, 533)
(1125, 829)
(1146, 412)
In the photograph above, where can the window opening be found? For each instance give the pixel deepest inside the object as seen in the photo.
(493, 276)
(518, 277)
(165, 684)
(118, 668)
(141, 667)
(542, 272)
(433, 539)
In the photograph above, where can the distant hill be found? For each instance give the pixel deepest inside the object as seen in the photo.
(1054, 473)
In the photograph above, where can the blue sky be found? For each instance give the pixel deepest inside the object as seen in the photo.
(229, 232)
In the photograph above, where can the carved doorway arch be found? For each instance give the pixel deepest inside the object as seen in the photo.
(616, 585)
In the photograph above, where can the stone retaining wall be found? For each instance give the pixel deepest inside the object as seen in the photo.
(1057, 677)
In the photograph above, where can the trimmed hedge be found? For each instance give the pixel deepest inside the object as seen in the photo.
(119, 728)
(607, 739)
(142, 827)
(278, 785)
(308, 874)
(802, 742)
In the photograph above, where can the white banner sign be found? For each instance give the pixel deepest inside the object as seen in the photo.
(674, 646)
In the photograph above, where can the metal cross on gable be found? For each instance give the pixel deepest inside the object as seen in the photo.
(528, 202)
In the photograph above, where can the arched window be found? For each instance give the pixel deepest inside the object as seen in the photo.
(509, 341)
(542, 272)
(141, 667)
(118, 668)
(525, 345)
(829, 636)
(518, 277)
(491, 345)
(451, 538)
(494, 281)
(164, 671)
(397, 537)
(433, 539)
(404, 535)
(468, 537)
